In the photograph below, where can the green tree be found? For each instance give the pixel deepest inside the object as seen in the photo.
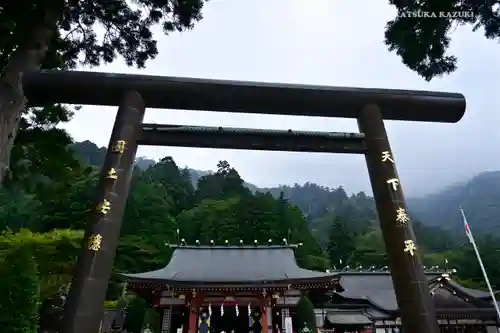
(341, 242)
(212, 220)
(369, 250)
(176, 183)
(89, 153)
(63, 32)
(305, 315)
(225, 183)
(17, 210)
(153, 320)
(68, 203)
(41, 156)
(465, 262)
(136, 313)
(434, 239)
(226, 210)
(19, 296)
(422, 42)
(54, 252)
(32, 125)
(55, 255)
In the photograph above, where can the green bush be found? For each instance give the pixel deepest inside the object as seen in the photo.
(153, 320)
(20, 292)
(136, 313)
(305, 314)
(55, 254)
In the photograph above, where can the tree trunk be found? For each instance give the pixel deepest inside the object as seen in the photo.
(27, 57)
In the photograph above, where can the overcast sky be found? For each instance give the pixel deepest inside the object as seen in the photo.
(325, 42)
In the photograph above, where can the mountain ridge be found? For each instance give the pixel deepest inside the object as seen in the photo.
(479, 196)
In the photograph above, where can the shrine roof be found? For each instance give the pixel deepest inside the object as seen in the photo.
(232, 265)
(348, 317)
(473, 292)
(377, 288)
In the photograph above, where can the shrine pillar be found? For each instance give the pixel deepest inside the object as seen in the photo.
(193, 313)
(264, 308)
(410, 282)
(85, 303)
(263, 320)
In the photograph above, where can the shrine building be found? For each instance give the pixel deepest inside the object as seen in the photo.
(368, 302)
(236, 286)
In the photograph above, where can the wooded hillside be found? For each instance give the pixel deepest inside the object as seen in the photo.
(46, 218)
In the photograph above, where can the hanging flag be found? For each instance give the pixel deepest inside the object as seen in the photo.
(209, 309)
(480, 262)
(237, 310)
(249, 310)
(466, 227)
(222, 310)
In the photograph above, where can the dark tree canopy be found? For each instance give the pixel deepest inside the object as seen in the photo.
(61, 35)
(95, 32)
(305, 315)
(422, 42)
(341, 242)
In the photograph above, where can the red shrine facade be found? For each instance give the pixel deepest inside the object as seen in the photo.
(234, 285)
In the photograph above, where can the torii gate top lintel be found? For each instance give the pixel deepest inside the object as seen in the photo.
(93, 88)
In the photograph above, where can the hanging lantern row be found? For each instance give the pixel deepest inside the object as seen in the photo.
(284, 241)
(375, 269)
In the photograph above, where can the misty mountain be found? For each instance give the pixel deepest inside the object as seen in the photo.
(480, 198)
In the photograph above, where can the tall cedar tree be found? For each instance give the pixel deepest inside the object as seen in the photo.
(136, 313)
(305, 315)
(19, 298)
(65, 30)
(422, 42)
(340, 243)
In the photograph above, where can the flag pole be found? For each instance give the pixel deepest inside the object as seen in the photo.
(481, 265)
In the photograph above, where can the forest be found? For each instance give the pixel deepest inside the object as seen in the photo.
(43, 226)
